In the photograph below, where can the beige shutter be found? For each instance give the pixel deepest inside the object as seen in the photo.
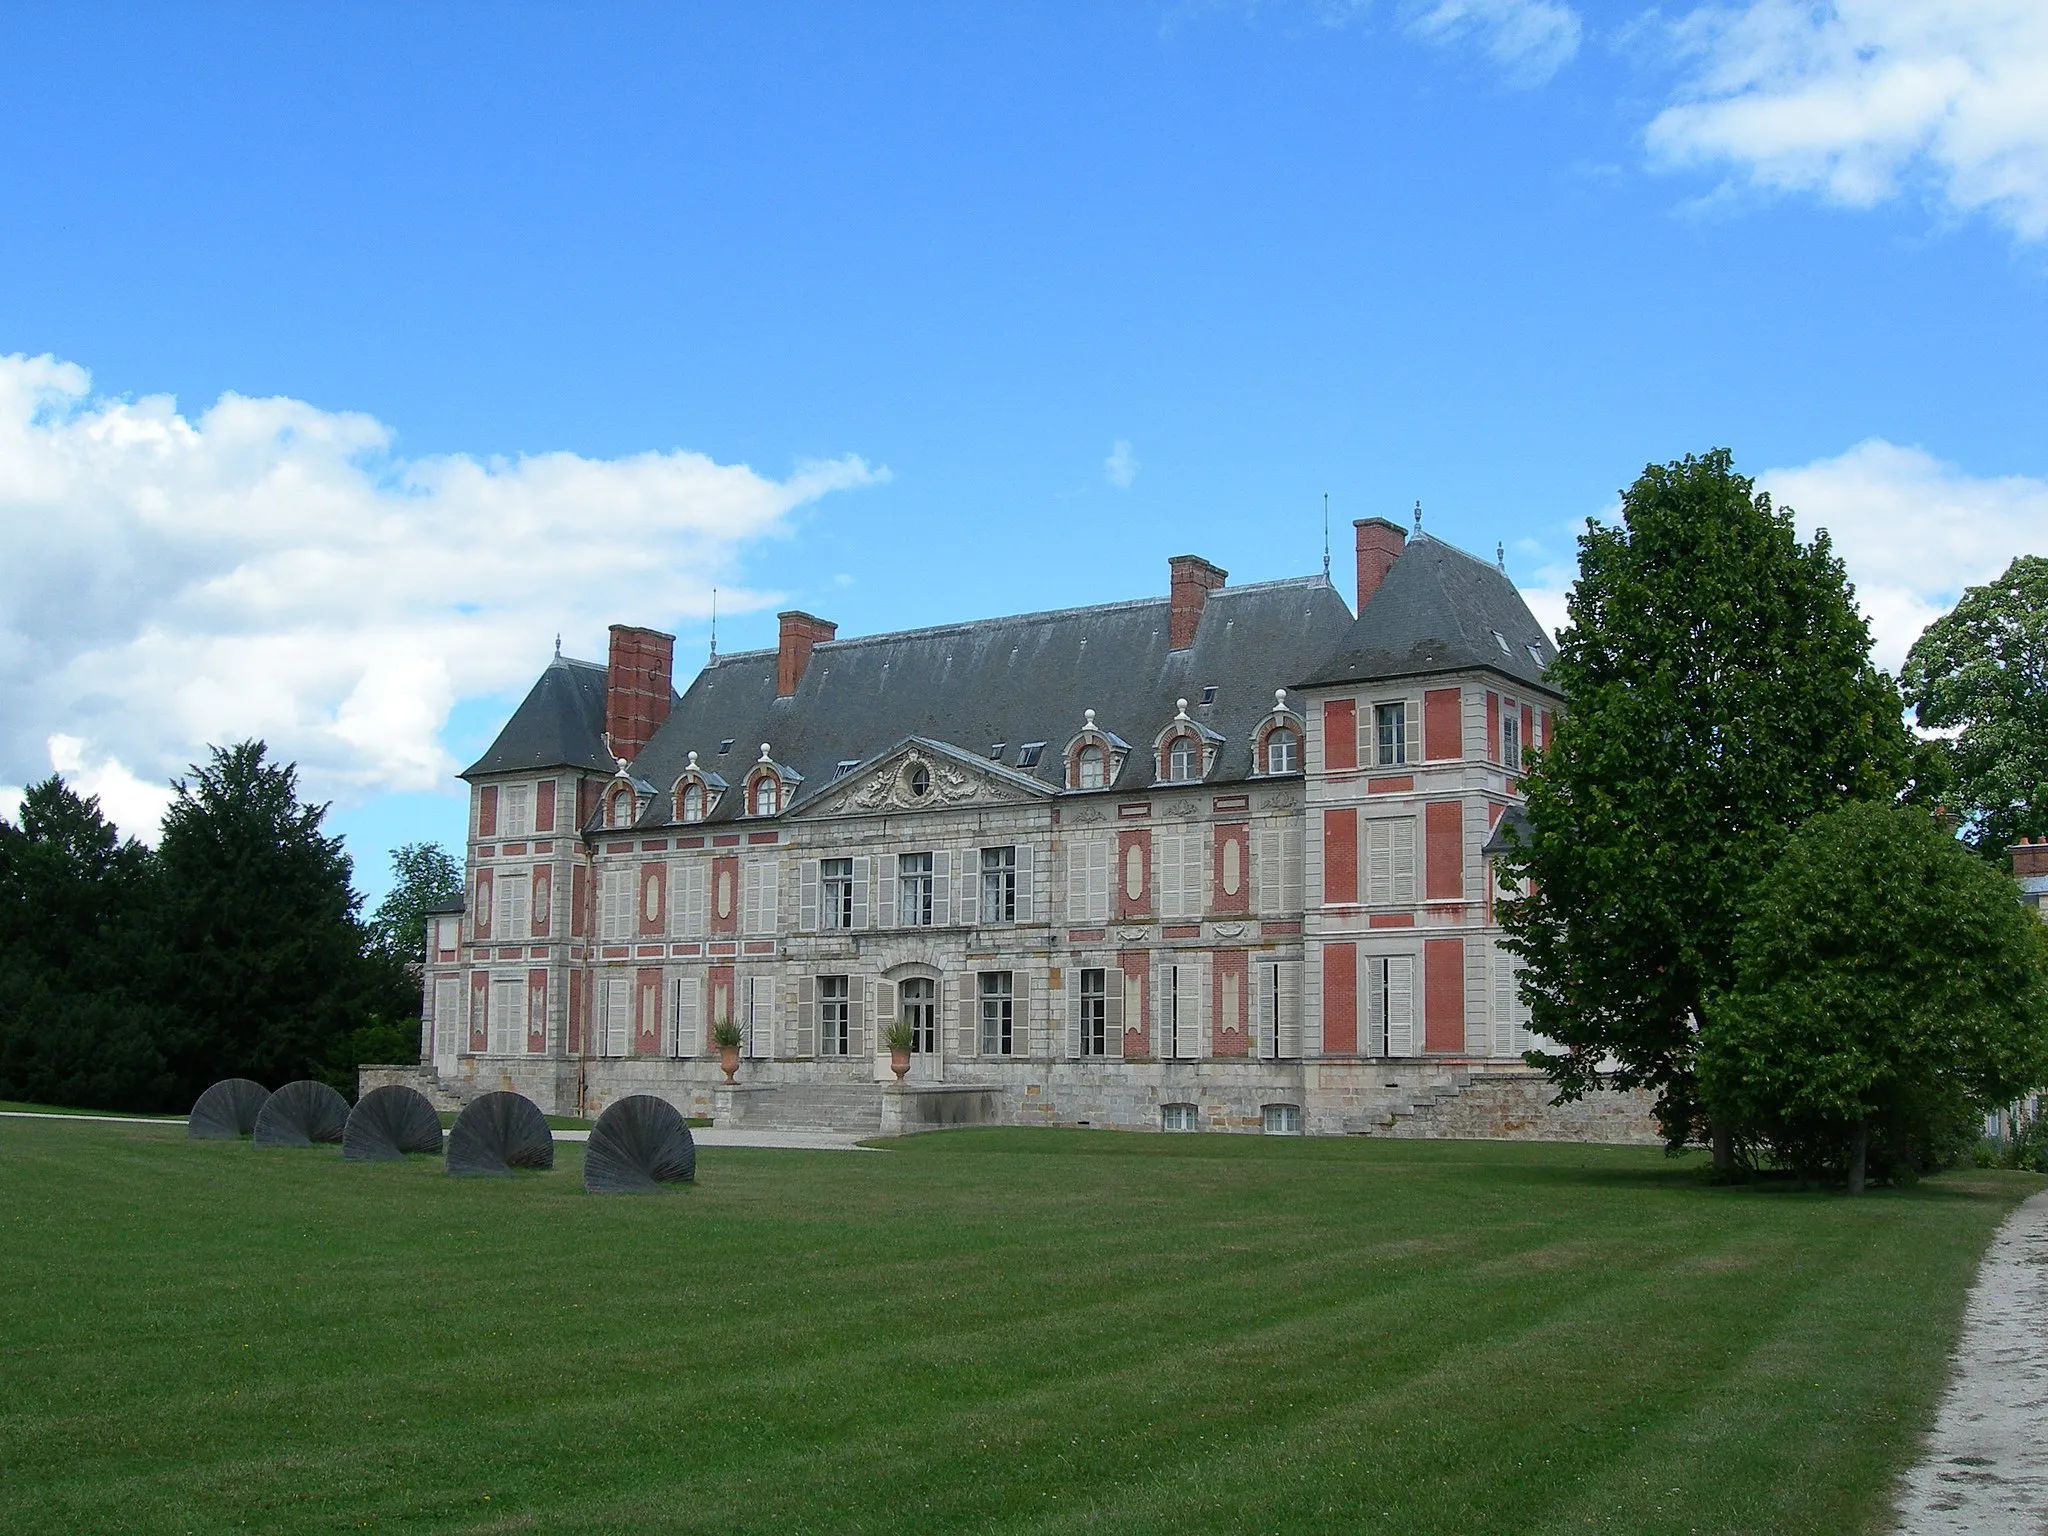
(888, 863)
(1194, 872)
(1077, 880)
(447, 1015)
(1166, 846)
(857, 1016)
(1379, 863)
(1404, 860)
(618, 1014)
(1074, 1012)
(689, 991)
(863, 880)
(1198, 1041)
(1266, 858)
(1113, 983)
(806, 1042)
(1412, 718)
(808, 917)
(1025, 991)
(1290, 1009)
(885, 1009)
(1401, 1005)
(1102, 854)
(942, 889)
(970, 1015)
(1025, 879)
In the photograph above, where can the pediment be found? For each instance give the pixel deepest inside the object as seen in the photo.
(922, 775)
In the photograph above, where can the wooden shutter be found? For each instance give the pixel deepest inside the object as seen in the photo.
(1266, 858)
(806, 1042)
(1291, 835)
(969, 997)
(863, 873)
(1379, 863)
(1077, 880)
(885, 1009)
(1194, 872)
(1074, 1013)
(1404, 860)
(856, 1016)
(1024, 877)
(689, 1012)
(1290, 1009)
(1113, 982)
(618, 1010)
(888, 863)
(942, 890)
(447, 1015)
(807, 917)
(1400, 1005)
(1200, 1037)
(1167, 842)
(1411, 719)
(1101, 855)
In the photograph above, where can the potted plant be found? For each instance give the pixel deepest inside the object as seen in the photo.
(725, 1034)
(900, 1037)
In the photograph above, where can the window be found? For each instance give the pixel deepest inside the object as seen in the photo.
(1183, 883)
(1179, 1117)
(508, 1015)
(767, 796)
(920, 782)
(835, 909)
(1208, 693)
(921, 1012)
(999, 885)
(1182, 756)
(1277, 1002)
(995, 751)
(1091, 768)
(1089, 855)
(1535, 655)
(914, 890)
(844, 766)
(1181, 1012)
(835, 1020)
(1390, 724)
(1390, 861)
(515, 811)
(1510, 736)
(619, 812)
(1094, 1012)
(1276, 862)
(725, 746)
(998, 1014)
(1283, 750)
(615, 905)
(760, 896)
(513, 920)
(1390, 1005)
(1282, 1119)
(1029, 753)
(691, 808)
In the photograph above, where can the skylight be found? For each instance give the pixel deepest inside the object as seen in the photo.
(1027, 755)
(995, 750)
(725, 746)
(845, 766)
(1208, 693)
(1501, 640)
(1535, 655)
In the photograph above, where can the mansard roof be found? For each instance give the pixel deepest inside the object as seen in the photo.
(1016, 680)
(1438, 610)
(560, 724)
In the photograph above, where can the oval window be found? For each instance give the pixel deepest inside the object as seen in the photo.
(1134, 872)
(920, 782)
(1233, 866)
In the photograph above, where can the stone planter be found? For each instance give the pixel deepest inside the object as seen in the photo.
(899, 1063)
(729, 1059)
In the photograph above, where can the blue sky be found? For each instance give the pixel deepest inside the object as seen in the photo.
(850, 310)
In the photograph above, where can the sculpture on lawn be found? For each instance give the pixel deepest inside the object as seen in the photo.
(497, 1133)
(389, 1122)
(639, 1144)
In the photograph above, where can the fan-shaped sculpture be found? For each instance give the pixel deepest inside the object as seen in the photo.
(226, 1110)
(639, 1144)
(497, 1133)
(300, 1114)
(389, 1122)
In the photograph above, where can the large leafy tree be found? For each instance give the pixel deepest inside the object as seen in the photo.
(1982, 670)
(74, 899)
(1888, 989)
(1719, 693)
(424, 876)
(262, 964)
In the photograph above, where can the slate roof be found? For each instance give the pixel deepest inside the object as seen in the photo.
(1016, 680)
(1513, 820)
(1439, 609)
(560, 724)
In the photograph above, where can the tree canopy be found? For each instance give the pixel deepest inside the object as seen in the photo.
(1720, 693)
(1981, 670)
(1888, 989)
(425, 876)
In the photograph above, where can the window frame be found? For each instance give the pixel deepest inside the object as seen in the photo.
(835, 894)
(1091, 761)
(1282, 730)
(996, 1019)
(920, 1010)
(1182, 744)
(835, 1016)
(924, 880)
(766, 786)
(998, 896)
(1398, 710)
(1093, 996)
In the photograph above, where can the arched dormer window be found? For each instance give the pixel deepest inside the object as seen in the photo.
(691, 806)
(1094, 757)
(696, 792)
(1091, 767)
(767, 798)
(1185, 751)
(769, 786)
(619, 806)
(1183, 755)
(1277, 742)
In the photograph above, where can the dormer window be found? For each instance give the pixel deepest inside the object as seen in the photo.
(618, 810)
(1276, 744)
(767, 795)
(1283, 750)
(1091, 768)
(1095, 757)
(1183, 759)
(691, 806)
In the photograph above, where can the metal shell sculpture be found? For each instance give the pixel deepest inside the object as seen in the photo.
(301, 1114)
(389, 1122)
(639, 1144)
(497, 1133)
(227, 1110)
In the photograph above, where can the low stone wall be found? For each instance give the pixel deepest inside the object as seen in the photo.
(1516, 1106)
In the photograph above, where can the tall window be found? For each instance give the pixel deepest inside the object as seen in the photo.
(621, 812)
(914, 890)
(835, 1031)
(1094, 1013)
(1511, 738)
(921, 1012)
(998, 1014)
(692, 806)
(515, 811)
(1283, 750)
(1091, 768)
(765, 795)
(1182, 756)
(835, 909)
(1390, 722)
(999, 885)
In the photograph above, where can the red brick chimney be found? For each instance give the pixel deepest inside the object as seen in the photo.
(636, 687)
(1193, 580)
(800, 631)
(1379, 545)
(2029, 858)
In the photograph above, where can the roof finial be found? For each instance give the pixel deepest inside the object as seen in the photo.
(764, 752)
(558, 645)
(1418, 517)
(1182, 706)
(1087, 719)
(1326, 535)
(692, 764)
(714, 623)
(1279, 698)
(1500, 558)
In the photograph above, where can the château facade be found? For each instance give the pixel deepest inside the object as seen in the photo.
(1217, 860)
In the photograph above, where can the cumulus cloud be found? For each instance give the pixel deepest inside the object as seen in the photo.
(1529, 40)
(268, 568)
(1121, 467)
(1859, 100)
(1912, 530)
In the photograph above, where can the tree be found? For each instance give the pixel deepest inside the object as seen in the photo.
(261, 963)
(1983, 669)
(1719, 693)
(1888, 989)
(425, 876)
(74, 900)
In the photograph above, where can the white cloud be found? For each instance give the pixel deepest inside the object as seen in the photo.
(1122, 465)
(1860, 99)
(1530, 40)
(133, 805)
(271, 569)
(1912, 530)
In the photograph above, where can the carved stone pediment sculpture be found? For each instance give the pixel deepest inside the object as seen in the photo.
(919, 778)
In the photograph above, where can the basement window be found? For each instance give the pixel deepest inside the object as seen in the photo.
(1282, 1119)
(1179, 1117)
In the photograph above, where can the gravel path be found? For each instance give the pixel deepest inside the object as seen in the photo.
(1984, 1469)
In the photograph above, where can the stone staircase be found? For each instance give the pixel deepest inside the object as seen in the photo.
(1389, 1118)
(1509, 1105)
(846, 1107)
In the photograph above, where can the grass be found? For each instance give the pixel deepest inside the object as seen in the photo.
(990, 1330)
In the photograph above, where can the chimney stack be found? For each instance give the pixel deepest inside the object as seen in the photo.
(2029, 858)
(1379, 545)
(1193, 579)
(800, 631)
(636, 687)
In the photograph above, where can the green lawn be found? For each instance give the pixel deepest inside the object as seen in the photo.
(986, 1330)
